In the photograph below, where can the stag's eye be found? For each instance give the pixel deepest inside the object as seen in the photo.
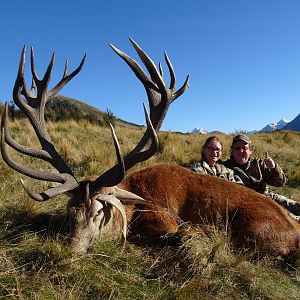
(98, 212)
(73, 210)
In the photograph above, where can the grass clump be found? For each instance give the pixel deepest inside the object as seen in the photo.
(36, 263)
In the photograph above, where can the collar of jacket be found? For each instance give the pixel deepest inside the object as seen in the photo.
(243, 170)
(219, 167)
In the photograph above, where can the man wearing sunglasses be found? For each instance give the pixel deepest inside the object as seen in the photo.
(258, 173)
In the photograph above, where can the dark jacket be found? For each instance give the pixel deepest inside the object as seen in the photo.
(255, 175)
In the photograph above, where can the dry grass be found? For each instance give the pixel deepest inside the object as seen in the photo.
(36, 264)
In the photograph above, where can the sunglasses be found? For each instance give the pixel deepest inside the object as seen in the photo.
(214, 149)
(241, 148)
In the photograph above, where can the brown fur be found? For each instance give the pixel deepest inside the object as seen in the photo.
(175, 195)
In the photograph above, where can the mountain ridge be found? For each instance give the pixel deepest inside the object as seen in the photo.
(60, 108)
(275, 126)
(81, 110)
(294, 125)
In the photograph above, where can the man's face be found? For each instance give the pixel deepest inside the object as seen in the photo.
(241, 152)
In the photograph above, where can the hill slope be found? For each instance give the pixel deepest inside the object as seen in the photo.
(62, 108)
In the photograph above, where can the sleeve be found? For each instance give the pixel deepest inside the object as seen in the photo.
(196, 167)
(234, 178)
(238, 180)
(275, 176)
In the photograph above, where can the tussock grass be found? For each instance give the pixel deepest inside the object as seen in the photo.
(35, 262)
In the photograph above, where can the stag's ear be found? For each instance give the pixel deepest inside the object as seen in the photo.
(126, 197)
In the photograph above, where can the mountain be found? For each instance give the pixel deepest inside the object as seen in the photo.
(280, 125)
(275, 126)
(197, 130)
(293, 125)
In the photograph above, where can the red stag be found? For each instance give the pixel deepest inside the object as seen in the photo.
(92, 203)
(174, 195)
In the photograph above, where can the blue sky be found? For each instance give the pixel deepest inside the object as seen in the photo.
(243, 56)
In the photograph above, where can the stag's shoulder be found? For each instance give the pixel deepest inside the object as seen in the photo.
(163, 168)
(168, 174)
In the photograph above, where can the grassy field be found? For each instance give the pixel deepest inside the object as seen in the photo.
(35, 263)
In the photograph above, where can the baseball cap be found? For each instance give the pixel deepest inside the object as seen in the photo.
(241, 137)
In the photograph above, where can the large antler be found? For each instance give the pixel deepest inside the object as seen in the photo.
(160, 97)
(33, 105)
(32, 102)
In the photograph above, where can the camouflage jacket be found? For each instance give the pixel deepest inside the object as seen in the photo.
(218, 170)
(255, 175)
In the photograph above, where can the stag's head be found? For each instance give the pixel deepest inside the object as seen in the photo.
(96, 205)
(100, 213)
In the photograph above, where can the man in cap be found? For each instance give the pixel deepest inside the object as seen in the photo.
(257, 173)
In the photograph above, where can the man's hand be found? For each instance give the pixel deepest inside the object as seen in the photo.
(269, 162)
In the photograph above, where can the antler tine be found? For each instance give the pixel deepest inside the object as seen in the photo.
(120, 174)
(160, 70)
(116, 174)
(55, 177)
(183, 88)
(35, 77)
(15, 145)
(185, 85)
(66, 78)
(171, 70)
(69, 185)
(66, 69)
(20, 85)
(33, 106)
(67, 180)
(150, 66)
(138, 71)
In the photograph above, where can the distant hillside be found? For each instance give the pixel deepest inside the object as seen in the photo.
(64, 108)
(293, 125)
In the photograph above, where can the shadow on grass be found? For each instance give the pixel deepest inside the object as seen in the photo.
(17, 223)
(293, 183)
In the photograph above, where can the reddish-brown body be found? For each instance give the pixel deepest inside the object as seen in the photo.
(175, 195)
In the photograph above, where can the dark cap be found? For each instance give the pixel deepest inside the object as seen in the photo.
(241, 137)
